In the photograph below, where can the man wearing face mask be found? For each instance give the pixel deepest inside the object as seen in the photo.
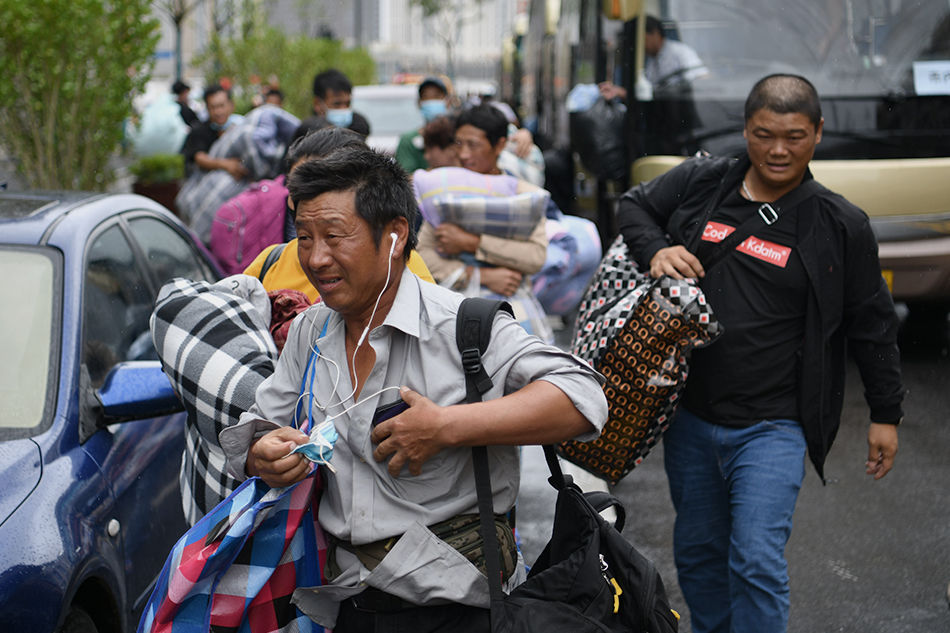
(432, 103)
(332, 95)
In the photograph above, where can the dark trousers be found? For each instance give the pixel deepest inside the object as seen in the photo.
(360, 615)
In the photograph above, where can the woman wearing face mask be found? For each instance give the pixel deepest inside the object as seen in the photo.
(432, 103)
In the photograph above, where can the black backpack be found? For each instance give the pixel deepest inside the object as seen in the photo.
(588, 577)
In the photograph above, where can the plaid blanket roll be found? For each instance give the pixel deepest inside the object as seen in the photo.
(459, 182)
(216, 349)
(511, 217)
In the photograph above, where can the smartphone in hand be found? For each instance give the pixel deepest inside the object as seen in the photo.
(390, 410)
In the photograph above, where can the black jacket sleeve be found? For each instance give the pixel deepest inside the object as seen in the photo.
(870, 325)
(199, 139)
(661, 212)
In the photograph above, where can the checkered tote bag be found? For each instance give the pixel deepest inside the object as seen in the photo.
(638, 332)
(236, 570)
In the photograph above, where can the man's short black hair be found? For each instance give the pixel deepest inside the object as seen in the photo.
(214, 89)
(435, 82)
(653, 25)
(274, 92)
(320, 143)
(179, 87)
(381, 188)
(486, 118)
(784, 94)
(333, 80)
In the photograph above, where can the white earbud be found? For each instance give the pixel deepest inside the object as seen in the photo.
(392, 243)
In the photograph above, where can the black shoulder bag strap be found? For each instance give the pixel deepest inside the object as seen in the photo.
(473, 333)
(271, 259)
(767, 214)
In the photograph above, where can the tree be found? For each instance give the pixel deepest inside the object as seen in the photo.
(70, 69)
(234, 18)
(268, 51)
(177, 11)
(445, 18)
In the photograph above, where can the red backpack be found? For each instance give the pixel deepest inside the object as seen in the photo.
(248, 223)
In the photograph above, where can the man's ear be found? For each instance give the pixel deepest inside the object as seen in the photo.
(319, 106)
(400, 226)
(500, 146)
(821, 126)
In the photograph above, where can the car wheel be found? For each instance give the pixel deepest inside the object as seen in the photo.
(78, 621)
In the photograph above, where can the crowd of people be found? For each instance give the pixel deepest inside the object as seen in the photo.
(227, 157)
(384, 248)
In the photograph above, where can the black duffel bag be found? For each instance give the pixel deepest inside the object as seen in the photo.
(588, 577)
(597, 137)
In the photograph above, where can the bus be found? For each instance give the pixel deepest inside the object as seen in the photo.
(881, 67)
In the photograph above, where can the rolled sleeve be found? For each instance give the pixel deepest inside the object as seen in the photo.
(275, 400)
(526, 359)
(586, 397)
(236, 441)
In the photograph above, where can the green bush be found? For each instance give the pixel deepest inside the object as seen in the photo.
(158, 168)
(69, 70)
(295, 61)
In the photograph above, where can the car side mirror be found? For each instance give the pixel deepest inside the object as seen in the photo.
(131, 391)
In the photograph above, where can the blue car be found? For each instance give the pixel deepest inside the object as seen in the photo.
(90, 431)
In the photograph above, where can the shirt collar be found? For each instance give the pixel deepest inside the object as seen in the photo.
(404, 313)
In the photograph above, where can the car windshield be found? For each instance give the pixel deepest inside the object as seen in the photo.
(26, 336)
(389, 113)
(853, 48)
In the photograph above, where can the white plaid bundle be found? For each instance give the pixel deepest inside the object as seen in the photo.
(216, 349)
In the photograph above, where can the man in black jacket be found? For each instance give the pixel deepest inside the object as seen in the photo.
(798, 293)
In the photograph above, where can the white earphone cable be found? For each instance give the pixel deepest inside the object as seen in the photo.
(339, 372)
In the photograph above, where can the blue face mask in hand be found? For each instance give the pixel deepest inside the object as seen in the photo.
(319, 449)
(432, 108)
(340, 117)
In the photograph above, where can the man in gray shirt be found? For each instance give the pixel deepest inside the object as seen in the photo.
(399, 492)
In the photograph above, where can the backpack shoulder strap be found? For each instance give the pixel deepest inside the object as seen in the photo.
(271, 259)
(472, 334)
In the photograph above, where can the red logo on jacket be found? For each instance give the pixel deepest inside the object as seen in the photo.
(775, 254)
